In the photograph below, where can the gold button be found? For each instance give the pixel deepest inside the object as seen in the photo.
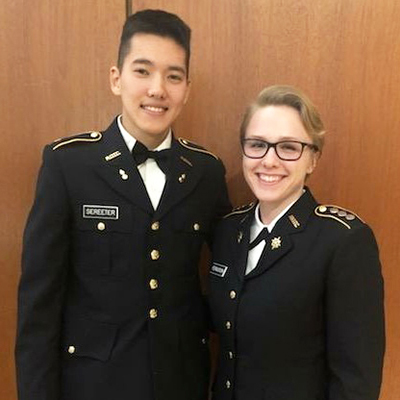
(155, 255)
(230, 355)
(196, 226)
(232, 294)
(322, 209)
(153, 284)
(101, 226)
(71, 349)
(155, 226)
(182, 178)
(153, 313)
(204, 341)
(228, 384)
(94, 134)
(228, 325)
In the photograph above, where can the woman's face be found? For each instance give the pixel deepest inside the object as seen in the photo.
(277, 183)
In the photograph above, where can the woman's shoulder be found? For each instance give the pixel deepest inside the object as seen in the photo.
(334, 215)
(240, 211)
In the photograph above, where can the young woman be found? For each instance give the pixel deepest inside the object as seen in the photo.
(295, 286)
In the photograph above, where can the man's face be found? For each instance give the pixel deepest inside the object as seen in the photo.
(153, 86)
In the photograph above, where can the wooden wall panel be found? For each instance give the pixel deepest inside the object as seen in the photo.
(55, 58)
(346, 56)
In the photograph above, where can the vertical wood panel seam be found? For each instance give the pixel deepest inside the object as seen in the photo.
(128, 8)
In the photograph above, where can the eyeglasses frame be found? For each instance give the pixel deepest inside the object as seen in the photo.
(273, 145)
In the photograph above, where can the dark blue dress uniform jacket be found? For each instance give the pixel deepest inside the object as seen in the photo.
(307, 323)
(110, 305)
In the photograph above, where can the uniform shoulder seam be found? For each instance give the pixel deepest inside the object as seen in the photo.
(195, 147)
(240, 210)
(88, 137)
(337, 213)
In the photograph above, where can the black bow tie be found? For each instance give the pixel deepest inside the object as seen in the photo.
(141, 153)
(260, 237)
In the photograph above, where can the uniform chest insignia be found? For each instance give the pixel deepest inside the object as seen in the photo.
(239, 236)
(103, 212)
(123, 174)
(113, 155)
(185, 160)
(182, 178)
(218, 269)
(294, 221)
(276, 242)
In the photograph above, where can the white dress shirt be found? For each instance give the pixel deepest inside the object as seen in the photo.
(256, 227)
(154, 179)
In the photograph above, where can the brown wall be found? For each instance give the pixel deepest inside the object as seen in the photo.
(345, 54)
(54, 57)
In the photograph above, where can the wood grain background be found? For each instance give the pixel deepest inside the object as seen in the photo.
(345, 54)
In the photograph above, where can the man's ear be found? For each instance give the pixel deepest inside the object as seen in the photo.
(115, 80)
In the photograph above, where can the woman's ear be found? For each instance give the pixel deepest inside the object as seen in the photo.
(313, 162)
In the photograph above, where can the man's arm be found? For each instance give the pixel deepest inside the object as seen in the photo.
(42, 286)
(223, 205)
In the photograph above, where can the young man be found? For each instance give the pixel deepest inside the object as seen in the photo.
(110, 305)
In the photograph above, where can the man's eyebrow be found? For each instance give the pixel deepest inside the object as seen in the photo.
(142, 61)
(177, 69)
(145, 61)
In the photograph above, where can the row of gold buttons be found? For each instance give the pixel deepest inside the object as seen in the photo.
(228, 325)
(155, 226)
(153, 283)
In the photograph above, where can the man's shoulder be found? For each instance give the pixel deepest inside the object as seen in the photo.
(196, 149)
(77, 139)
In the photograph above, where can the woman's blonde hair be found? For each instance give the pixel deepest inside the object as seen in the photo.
(285, 95)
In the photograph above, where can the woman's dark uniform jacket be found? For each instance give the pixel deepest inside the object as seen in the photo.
(307, 323)
(110, 305)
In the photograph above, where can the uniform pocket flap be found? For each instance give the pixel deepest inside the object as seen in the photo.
(192, 224)
(87, 338)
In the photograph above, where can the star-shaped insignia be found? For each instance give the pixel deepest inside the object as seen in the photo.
(276, 243)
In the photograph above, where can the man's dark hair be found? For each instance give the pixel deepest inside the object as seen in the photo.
(155, 22)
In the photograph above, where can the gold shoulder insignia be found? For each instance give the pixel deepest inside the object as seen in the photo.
(340, 214)
(195, 147)
(83, 137)
(241, 209)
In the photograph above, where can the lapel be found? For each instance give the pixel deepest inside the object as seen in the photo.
(241, 242)
(116, 167)
(184, 174)
(280, 240)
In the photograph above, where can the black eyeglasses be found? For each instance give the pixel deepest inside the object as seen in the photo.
(287, 150)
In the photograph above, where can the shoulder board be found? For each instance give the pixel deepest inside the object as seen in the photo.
(83, 137)
(241, 209)
(340, 214)
(195, 147)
